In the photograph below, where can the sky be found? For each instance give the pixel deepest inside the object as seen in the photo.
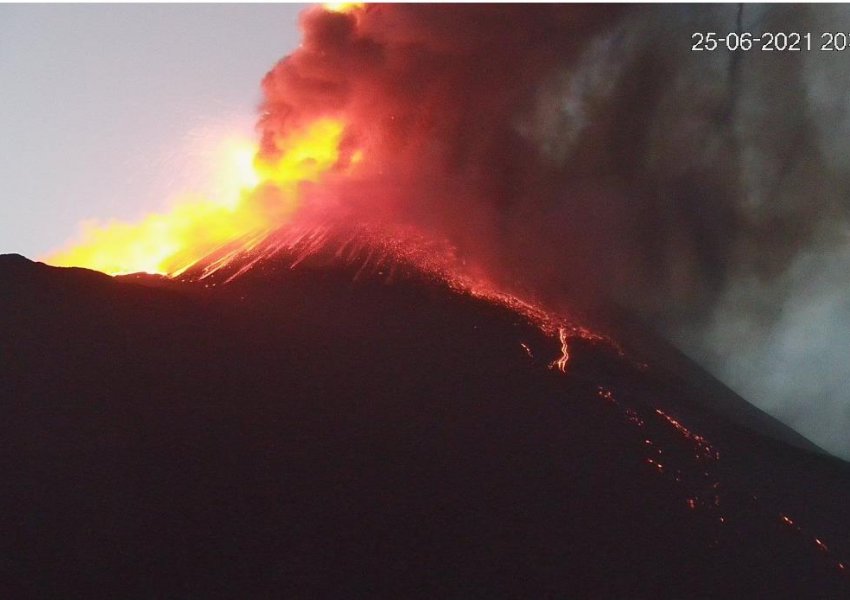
(111, 111)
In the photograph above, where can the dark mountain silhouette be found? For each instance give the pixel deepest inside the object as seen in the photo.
(328, 419)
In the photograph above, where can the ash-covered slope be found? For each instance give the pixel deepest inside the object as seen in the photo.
(308, 254)
(313, 432)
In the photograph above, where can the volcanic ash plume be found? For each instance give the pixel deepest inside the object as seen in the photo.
(433, 100)
(588, 154)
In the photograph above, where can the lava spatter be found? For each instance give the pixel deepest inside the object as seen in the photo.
(696, 472)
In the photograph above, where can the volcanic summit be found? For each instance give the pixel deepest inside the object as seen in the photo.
(416, 350)
(320, 417)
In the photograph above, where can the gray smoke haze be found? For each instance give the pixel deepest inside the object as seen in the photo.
(587, 152)
(743, 162)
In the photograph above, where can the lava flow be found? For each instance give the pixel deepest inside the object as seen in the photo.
(168, 243)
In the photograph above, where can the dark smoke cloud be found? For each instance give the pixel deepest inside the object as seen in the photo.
(587, 152)
(432, 96)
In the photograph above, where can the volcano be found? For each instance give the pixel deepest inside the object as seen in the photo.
(335, 412)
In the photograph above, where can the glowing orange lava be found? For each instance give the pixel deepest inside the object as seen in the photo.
(342, 7)
(560, 363)
(167, 243)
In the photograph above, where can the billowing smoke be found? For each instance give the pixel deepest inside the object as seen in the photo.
(589, 153)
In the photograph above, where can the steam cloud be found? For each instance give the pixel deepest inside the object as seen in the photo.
(587, 152)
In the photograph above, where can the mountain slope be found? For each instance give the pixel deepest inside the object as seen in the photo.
(310, 431)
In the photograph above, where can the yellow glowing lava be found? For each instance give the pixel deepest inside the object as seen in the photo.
(342, 7)
(241, 175)
(261, 193)
(303, 158)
